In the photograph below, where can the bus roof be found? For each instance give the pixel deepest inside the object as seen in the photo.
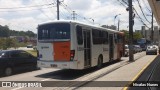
(78, 22)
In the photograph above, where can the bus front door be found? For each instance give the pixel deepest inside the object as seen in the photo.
(87, 48)
(111, 47)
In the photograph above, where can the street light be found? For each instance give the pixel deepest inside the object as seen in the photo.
(92, 20)
(118, 20)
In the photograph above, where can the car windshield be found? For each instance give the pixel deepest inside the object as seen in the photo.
(2, 53)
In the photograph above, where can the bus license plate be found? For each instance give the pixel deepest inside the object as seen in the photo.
(53, 65)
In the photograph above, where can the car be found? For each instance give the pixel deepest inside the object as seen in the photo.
(156, 46)
(29, 46)
(151, 50)
(135, 50)
(16, 60)
(138, 48)
(126, 53)
(143, 46)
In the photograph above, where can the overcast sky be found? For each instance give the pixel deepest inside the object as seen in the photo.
(27, 14)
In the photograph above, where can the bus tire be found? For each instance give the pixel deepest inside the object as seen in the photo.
(100, 62)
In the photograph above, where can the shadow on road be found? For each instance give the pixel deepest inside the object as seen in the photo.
(69, 74)
(20, 71)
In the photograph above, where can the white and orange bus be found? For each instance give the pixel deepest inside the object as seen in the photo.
(74, 45)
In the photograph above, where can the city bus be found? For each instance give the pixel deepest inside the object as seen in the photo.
(143, 43)
(75, 45)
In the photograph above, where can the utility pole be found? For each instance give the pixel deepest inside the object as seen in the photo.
(74, 15)
(118, 24)
(131, 58)
(118, 20)
(152, 29)
(57, 9)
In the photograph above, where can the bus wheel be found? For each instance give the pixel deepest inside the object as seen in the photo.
(100, 62)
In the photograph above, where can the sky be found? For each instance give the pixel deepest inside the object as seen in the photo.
(23, 15)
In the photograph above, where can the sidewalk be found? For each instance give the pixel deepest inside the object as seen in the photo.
(123, 71)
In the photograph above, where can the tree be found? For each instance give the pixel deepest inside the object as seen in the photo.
(136, 36)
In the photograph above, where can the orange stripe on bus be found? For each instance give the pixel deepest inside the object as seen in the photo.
(61, 51)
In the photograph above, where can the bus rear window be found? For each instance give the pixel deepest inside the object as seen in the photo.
(54, 31)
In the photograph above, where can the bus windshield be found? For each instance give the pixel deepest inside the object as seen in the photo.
(54, 31)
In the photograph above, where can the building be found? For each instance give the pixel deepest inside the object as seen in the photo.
(146, 33)
(156, 35)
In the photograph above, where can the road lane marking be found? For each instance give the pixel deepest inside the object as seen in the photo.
(139, 73)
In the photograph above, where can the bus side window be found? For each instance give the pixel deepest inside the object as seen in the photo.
(105, 37)
(97, 36)
(79, 35)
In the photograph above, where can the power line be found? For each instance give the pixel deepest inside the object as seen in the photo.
(67, 8)
(29, 6)
(140, 19)
(125, 2)
(50, 8)
(71, 12)
(64, 11)
(146, 6)
(44, 14)
(122, 3)
(26, 10)
(143, 12)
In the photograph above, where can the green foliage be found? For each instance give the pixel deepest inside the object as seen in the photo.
(6, 32)
(11, 43)
(136, 35)
(6, 42)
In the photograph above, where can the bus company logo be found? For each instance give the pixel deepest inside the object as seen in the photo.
(44, 47)
(6, 84)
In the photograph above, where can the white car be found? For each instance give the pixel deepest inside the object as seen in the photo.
(126, 53)
(151, 50)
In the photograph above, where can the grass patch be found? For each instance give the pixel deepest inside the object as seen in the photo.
(33, 52)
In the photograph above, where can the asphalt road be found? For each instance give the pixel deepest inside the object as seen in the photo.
(150, 78)
(52, 74)
(62, 75)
